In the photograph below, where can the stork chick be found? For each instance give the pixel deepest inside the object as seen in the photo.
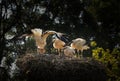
(69, 52)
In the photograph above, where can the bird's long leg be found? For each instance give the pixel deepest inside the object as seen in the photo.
(59, 52)
(56, 51)
(81, 54)
(38, 51)
(78, 53)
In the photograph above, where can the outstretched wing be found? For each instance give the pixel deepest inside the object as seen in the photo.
(62, 37)
(21, 36)
(27, 33)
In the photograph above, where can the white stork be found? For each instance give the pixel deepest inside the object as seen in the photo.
(79, 45)
(40, 38)
(59, 42)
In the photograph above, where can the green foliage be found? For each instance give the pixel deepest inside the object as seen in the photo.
(93, 43)
(111, 59)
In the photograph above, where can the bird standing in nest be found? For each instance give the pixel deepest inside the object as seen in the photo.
(59, 41)
(40, 38)
(79, 45)
(69, 52)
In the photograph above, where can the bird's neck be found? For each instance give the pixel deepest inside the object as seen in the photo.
(45, 36)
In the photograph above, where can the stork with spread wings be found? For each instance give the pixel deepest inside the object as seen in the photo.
(40, 38)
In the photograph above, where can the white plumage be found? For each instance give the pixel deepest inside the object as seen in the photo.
(79, 45)
(41, 38)
(69, 52)
(58, 44)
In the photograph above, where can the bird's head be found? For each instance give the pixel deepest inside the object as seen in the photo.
(37, 31)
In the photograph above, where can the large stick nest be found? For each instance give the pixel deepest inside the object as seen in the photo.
(55, 68)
